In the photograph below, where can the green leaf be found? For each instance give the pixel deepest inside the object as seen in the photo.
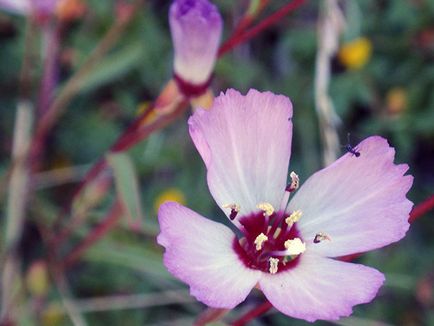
(127, 186)
(140, 259)
(112, 67)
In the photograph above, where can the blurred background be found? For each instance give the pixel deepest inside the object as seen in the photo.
(381, 82)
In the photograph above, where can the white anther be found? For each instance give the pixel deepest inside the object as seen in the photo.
(294, 217)
(267, 208)
(274, 262)
(234, 210)
(294, 247)
(260, 239)
(295, 182)
(235, 207)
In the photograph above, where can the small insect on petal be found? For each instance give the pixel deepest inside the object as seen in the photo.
(321, 236)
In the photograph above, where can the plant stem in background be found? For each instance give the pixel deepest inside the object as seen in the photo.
(242, 37)
(16, 205)
(252, 314)
(97, 233)
(73, 85)
(329, 28)
(51, 40)
(210, 315)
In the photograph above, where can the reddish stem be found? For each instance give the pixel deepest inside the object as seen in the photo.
(110, 221)
(421, 209)
(242, 37)
(248, 18)
(49, 77)
(417, 212)
(252, 314)
(134, 134)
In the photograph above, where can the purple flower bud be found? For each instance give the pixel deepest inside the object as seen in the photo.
(196, 27)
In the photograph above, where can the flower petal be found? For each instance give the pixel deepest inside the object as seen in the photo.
(196, 27)
(321, 288)
(359, 202)
(199, 252)
(21, 7)
(245, 142)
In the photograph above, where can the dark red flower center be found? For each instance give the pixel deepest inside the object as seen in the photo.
(276, 231)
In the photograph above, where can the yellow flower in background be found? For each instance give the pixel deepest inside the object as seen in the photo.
(53, 315)
(171, 194)
(151, 117)
(37, 279)
(396, 100)
(355, 54)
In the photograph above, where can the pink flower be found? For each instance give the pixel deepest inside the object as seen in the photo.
(39, 8)
(356, 204)
(196, 27)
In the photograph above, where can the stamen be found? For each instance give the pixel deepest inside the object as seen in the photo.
(234, 210)
(294, 247)
(273, 265)
(260, 239)
(295, 182)
(321, 236)
(294, 217)
(267, 208)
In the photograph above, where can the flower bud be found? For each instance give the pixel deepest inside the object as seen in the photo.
(196, 27)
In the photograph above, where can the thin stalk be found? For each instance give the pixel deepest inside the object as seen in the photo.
(107, 224)
(243, 37)
(210, 315)
(126, 141)
(73, 86)
(329, 29)
(253, 313)
(16, 204)
(51, 41)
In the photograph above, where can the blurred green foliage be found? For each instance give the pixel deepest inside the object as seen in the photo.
(281, 59)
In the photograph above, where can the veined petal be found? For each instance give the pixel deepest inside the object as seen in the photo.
(358, 202)
(199, 252)
(321, 288)
(245, 142)
(196, 27)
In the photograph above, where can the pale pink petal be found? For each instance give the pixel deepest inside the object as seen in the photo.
(196, 27)
(21, 7)
(245, 142)
(199, 252)
(359, 202)
(321, 288)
